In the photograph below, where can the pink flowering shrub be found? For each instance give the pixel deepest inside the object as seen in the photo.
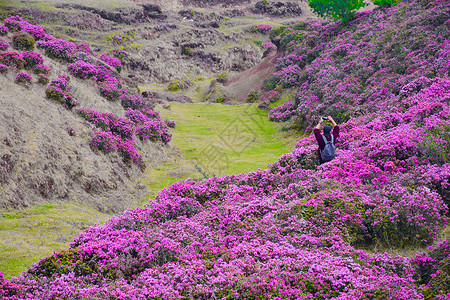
(154, 130)
(41, 69)
(12, 59)
(62, 49)
(59, 90)
(108, 122)
(171, 123)
(85, 70)
(13, 23)
(43, 79)
(3, 30)
(264, 28)
(129, 154)
(4, 44)
(112, 61)
(110, 91)
(36, 31)
(431, 271)
(23, 78)
(31, 59)
(268, 45)
(103, 141)
(3, 68)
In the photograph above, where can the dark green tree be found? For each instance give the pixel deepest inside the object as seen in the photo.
(386, 3)
(337, 9)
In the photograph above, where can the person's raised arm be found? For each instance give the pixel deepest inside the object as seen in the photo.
(318, 124)
(330, 118)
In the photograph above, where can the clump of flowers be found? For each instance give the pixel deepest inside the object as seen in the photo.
(31, 59)
(4, 45)
(12, 59)
(85, 70)
(59, 90)
(112, 61)
(62, 49)
(23, 78)
(264, 28)
(36, 31)
(43, 79)
(171, 123)
(110, 91)
(253, 96)
(41, 69)
(103, 141)
(3, 30)
(268, 45)
(23, 41)
(13, 23)
(3, 68)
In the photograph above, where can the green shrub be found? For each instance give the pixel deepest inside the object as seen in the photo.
(174, 86)
(253, 96)
(23, 41)
(187, 51)
(43, 79)
(271, 83)
(337, 9)
(386, 3)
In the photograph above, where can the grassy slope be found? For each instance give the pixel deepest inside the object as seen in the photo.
(218, 140)
(34, 233)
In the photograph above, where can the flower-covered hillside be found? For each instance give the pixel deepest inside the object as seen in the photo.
(54, 151)
(363, 66)
(295, 230)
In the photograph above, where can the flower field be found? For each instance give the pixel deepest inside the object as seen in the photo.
(294, 230)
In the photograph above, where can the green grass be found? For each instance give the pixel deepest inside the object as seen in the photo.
(31, 234)
(218, 139)
(225, 139)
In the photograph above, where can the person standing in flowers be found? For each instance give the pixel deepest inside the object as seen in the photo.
(326, 139)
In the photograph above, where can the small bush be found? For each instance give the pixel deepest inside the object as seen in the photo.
(13, 23)
(55, 93)
(113, 62)
(3, 68)
(23, 41)
(264, 28)
(69, 101)
(4, 45)
(36, 31)
(41, 69)
(174, 86)
(103, 141)
(65, 77)
(31, 59)
(43, 79)
(110, 91)
(171, 123)
(12, 59)
(23, 78)
(3, 30)
(71, 131)
(60, 83)
(252, 96)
